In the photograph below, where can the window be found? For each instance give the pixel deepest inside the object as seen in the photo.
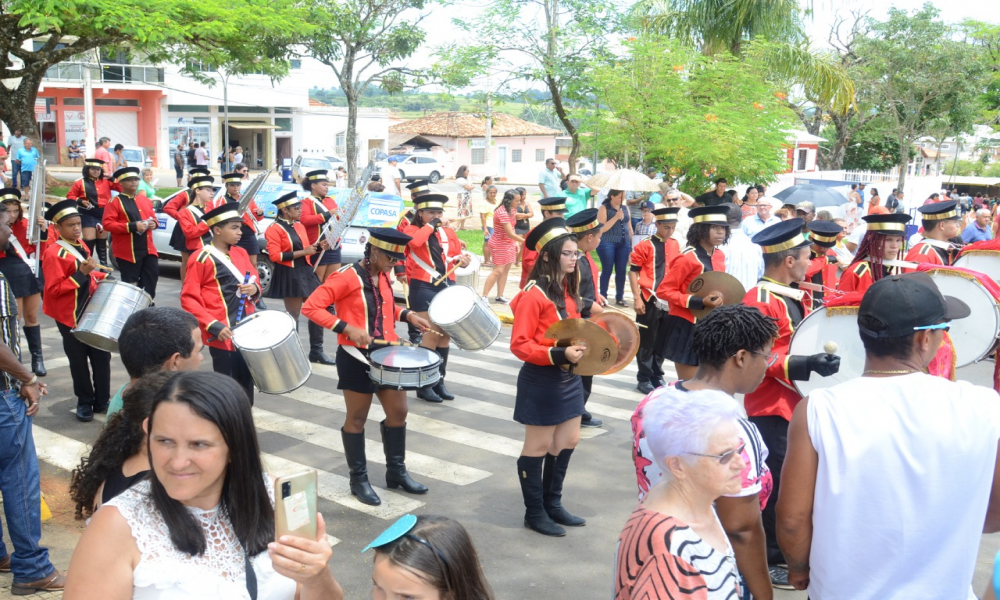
(295, 63)
(479, 156)
(72, 101)
(200, 108)
(425, 161)
(539, 155)
(802, 160)
(515, 156)
(282, 110)
(115, 102)
(283, 123)
(945, 146)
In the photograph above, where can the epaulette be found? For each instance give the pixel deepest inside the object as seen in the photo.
(345, 267)
(687, 250)
(925, 249)
(762, 295)
(203, 255)
(529, 285)
(861, 268)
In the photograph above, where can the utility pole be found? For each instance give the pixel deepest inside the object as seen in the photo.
(489, 119)
(89, 133)
(225, 107)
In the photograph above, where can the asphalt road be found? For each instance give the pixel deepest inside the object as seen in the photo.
(464, 450)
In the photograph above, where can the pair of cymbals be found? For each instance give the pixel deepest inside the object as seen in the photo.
(610, 341)
(716, 281)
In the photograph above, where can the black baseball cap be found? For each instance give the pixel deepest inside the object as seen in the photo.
(899, 303)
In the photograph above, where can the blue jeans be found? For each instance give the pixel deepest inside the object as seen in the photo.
(19, 481)
(15, 170)
(614, 256)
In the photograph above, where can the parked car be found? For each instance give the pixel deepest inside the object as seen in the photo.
(421, 167)
(305, 162)
(136, 156)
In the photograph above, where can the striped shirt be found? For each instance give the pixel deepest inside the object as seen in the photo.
(8, 328)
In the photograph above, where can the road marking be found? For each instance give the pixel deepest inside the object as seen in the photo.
(329, 438)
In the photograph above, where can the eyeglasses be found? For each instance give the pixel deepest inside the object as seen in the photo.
(945, 326)
(725, 457)
(772, 357)
(572, 254)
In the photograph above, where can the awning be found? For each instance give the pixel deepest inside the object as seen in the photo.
(252, 125)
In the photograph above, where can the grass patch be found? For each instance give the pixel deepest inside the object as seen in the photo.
(473, 238)
(62, 191)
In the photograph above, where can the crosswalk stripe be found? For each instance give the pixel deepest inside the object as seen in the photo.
(329, 438)
(501, 350)
(626, 375)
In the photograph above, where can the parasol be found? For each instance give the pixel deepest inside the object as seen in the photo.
(820, 196)
(622, 179)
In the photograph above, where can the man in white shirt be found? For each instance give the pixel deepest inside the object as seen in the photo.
(744, 259)
(391, 177)
(891, 478)
(751, 226)
(201, 155)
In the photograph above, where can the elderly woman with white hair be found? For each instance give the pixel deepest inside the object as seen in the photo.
(673, 545)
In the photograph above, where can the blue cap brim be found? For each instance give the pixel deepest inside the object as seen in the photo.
(395, 531)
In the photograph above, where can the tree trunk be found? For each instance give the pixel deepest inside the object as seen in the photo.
(17, 106)
(904, 160)
(560, 109)
(351, 138)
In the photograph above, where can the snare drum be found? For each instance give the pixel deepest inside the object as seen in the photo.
(973, 337)
(269, 345)
(983, 261)
(820, 327)
(404, 367)
(469, 276)
(464, 315)
(105, 314)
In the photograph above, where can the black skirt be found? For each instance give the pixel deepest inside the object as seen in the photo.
(352, 374)
(422, 292)
(297, 282)
(177, 240)
(248, 241)
(23, 282)
(547, 395)
(91, 217)
(330, 257)
(676, 338)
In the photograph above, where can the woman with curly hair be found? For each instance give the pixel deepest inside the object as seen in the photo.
(118, 459)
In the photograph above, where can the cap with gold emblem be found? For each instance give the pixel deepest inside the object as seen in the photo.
(127, 173)
(781, 236)
(288, 200)
(60, 211)
(201, 181)
(545, 233)
(389, 240)
(232, 178)
(715, 215)
(230, 211)
(430, 201)
(10, 195)
(890, 224)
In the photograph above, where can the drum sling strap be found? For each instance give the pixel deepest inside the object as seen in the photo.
(228, 263)
(19, 250)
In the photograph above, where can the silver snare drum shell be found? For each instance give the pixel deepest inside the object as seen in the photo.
(462, 313)
(404, 367)
(469, 276)
(103, 318)
(269, 345)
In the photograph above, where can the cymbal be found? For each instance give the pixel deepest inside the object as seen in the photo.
(716, 281)
(626, 334)
(601, 348)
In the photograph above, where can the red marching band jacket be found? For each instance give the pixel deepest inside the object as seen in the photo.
(120, 219)
(67, 289)
(684, 268)
(776, 395)
(188, 217)
(926, 253)
(858, 277)
(419, 249)
(249, 217)
(102, 189)
(528, 260)
(20, 231)
(211, 291)
(345, 290)
(651, 258)
(281, 243)
(315, 213)
(822, 270)
(534, 313)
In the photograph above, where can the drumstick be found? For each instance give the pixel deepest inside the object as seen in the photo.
(243, 299)
(830, 348)
(618, 310)
(446, 275)
(396, 343)
(437, 333)
(101, 267)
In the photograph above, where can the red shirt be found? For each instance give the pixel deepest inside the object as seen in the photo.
(67, 289)
(120, 218)
(315, 213)
(650, 259)
(353, 297)
(534, 313)
(438, 252)
(926, 253)
(283, 239)
(211, 292)
(100, 190)
(684, 268)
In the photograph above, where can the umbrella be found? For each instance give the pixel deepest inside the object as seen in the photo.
(820, 196)
(622, 179)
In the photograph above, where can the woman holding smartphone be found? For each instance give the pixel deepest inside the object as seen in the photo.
(202, 526)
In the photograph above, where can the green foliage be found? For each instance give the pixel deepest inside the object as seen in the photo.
(987, 37)
(971, 168)
(873, 148)
(414, 103)
(698, 117)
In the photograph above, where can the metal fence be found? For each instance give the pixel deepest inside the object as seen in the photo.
(105, 73)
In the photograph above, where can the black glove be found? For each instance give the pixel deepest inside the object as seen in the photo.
(435, 223)
(800, 367)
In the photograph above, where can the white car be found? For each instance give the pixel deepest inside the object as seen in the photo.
(421, 167)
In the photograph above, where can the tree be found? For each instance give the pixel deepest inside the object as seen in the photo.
(919, 73)
(987, 37)
(871, 146)
(37, 34)
(361, 41)
(697, 117)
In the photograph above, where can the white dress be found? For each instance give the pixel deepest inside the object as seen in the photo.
(166, 573)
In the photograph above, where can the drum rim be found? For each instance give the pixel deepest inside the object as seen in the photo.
(257, 315)
(819, 311)
(992, 303)
(464, 290)
(132, 286)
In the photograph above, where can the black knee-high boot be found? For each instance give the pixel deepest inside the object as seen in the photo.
(529, 473)
(553, 475)
(91, 245)
(102, 251)
(34, 337)
(316, 354)
(354, 449)
(394, 444)
(440, 388)
(430, 393)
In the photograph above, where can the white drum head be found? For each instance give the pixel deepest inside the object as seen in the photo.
(263, 330)
(452, 304)
(472, 268)
(814, 332)
(404, 357)
(975, 335)
(983, 263)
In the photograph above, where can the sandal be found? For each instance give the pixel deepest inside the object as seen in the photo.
(621, 303)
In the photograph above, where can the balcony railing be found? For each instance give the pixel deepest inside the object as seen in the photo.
(105, 73)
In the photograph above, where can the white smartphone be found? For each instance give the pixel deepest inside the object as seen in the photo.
(295, 500)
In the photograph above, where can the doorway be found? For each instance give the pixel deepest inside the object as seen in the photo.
(284, 149)
(501, 162)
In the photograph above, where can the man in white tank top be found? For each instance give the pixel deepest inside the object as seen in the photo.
(889, 477)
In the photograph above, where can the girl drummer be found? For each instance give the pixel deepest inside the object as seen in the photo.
(366, 314)
(549, 400)
(15, 266)
(294, 280)
(93, 192)
(173, 207)
(430, 256)
(883, 240)
(317, 210)
(708, 231)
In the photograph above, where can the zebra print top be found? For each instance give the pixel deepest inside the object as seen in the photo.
(659, 556)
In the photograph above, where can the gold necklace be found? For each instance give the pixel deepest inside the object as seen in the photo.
(878, 372)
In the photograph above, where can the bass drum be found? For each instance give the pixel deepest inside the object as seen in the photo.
(469, 276)
(812, 335)
(270, 347)
(975, 336)
(986, 262)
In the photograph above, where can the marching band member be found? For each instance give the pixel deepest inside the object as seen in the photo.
(17, 266)
(130, 218)
(71, 278)
(248, 230)
(649, 262)
(822, 259)
(366, 313)
(549, 400)
(587, 229)
(769, 407)
(420, 187)
(317, 210)
(941, 223)
(173, 207)
(709, 230)
(93, 192)
(217, 287)
(294, 280)
(430, 254)
(882, 241)
(552, 208)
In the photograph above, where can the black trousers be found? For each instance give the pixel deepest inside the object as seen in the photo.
(82, 358)
(231, 363)
(650, 355)
(143, 273)
(774, 432)
(588, 384)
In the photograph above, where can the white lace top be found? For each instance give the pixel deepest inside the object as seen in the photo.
(165, 573)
